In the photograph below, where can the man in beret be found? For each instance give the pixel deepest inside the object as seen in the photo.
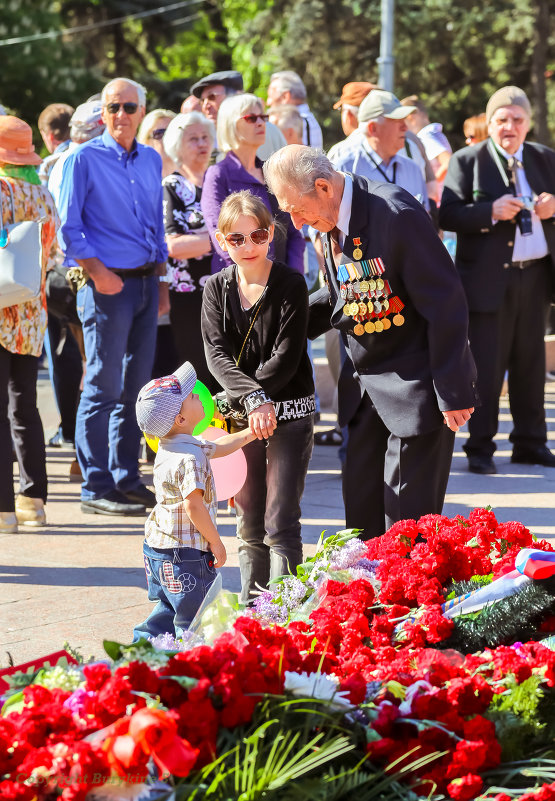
(498, 199)
(214, 88)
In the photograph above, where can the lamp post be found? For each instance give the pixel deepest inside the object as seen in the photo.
(386, 59)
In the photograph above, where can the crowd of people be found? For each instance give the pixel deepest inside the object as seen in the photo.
(181, 244)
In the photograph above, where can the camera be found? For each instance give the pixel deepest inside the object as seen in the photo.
(524, 216)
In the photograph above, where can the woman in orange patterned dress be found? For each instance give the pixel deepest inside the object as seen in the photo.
(22, 329)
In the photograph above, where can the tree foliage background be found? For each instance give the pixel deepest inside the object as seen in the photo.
(453, 54)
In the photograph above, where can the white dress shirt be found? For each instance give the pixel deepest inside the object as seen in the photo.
(533, 246)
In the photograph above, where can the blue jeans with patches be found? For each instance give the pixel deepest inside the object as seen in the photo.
(178, 579)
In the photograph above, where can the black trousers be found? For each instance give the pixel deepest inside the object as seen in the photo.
(387, 478)
(20, 423)
(511, 339)
(185, 322)
(67, 371)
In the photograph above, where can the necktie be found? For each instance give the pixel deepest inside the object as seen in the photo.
(336, 250)
(514, 164)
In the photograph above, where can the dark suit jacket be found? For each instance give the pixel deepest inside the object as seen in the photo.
(414, 372)
(484, 250)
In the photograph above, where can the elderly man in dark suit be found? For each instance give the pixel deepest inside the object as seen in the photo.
(416, 376)
(498, 198)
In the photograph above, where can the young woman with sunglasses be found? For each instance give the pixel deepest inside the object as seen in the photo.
(241, 130)
(254, 324)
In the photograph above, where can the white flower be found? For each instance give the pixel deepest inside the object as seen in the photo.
(317, 685)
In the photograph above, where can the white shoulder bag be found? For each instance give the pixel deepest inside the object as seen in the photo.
(20, 257)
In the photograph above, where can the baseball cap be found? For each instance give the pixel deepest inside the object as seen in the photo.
(507, 96)
(230, 78)
(160, 400)
(354, 92)
(380, 103)
(87, 116)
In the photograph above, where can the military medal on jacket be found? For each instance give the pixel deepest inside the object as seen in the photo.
(367, 295)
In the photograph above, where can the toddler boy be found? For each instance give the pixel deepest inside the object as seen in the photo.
(181, 540)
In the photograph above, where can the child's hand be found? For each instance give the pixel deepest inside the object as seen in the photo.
(219, 551)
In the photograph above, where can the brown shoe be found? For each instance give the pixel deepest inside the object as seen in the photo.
(30, 511)
(75, 474)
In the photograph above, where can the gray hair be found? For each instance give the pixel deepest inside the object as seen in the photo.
(174, 132)
(300, 171)
(363, 126)
(289, 81)
(288, 117)
(352, 109)
(141, 91)
(229, 113)
(149, 123)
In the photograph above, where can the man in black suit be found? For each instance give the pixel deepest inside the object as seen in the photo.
(498, 198)
(416, 376)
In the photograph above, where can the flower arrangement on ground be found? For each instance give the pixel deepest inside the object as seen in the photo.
(418, 664)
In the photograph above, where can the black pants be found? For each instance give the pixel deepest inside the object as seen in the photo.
(387, 478)
(67, 371)
(185, 322)
(165, 358)
(20, 423)
(512, 339)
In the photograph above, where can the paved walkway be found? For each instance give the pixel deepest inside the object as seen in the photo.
(81, 579)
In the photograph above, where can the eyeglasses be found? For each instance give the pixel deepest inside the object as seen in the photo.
(158, 133)
(129, 108)
(258, 237)
(252, 118)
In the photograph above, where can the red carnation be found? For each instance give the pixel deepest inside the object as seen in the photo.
(465, 788)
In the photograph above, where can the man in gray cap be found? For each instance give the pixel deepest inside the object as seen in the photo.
(498, 199)
(378, 154)
(212, 90)
(85, 123)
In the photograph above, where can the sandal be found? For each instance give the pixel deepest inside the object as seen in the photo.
(329, 437)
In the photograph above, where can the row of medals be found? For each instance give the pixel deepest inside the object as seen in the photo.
(366, 299)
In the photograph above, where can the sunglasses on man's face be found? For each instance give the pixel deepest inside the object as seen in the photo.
(252, 118)
(258, 237)
(129, 108)
(158, 133)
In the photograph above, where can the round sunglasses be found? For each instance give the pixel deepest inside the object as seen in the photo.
(129, 108)
(258, 237)
(252, 118)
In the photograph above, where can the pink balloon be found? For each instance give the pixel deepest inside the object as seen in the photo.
(230, 472)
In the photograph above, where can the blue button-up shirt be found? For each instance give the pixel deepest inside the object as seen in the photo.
(362, 160)
(110, 204)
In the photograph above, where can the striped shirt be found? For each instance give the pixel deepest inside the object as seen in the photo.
(182, 465)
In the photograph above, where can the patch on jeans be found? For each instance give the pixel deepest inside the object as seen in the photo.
(148, 571)
(186, 582)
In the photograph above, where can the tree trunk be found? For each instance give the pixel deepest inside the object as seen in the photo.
(539, 65)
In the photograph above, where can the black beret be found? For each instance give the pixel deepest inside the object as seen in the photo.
(229, 78)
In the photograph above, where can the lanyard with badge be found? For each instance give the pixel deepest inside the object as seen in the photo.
(377, 166)
(524, 216)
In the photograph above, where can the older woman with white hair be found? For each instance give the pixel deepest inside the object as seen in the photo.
(241, 131)
(151, 133)
(188, 141)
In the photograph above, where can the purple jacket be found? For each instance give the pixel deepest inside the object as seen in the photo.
(228, 176)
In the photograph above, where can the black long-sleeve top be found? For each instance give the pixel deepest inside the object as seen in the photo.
(274, 364)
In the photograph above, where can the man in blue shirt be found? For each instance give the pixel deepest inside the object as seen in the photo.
(111, 210)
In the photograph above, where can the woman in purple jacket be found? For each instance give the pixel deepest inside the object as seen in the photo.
(241, 131)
